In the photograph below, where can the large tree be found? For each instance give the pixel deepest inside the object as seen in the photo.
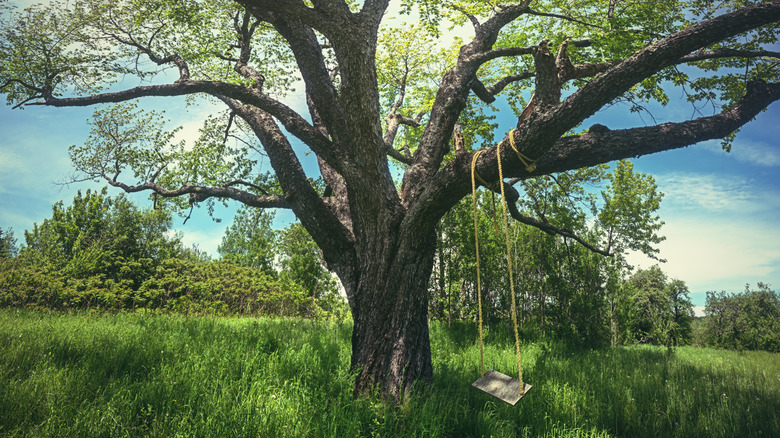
(376, 235)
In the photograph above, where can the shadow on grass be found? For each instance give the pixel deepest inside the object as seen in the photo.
(167, 375)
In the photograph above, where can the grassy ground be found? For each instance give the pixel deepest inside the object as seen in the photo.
(150, 375)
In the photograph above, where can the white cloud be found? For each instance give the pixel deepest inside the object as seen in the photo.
(714, 193)
(721, 232)
(718, 254)
(747, 151)
(207, 241)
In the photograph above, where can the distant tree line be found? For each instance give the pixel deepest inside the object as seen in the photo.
(105, 253)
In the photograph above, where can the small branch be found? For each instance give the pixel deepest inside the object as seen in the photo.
(512, 197)
(248, 184)
(563, 17)
(471, 17)
(486, 56)
(200, 193)
(728, 53)
(503, 82)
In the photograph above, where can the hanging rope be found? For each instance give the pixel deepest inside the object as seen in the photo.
(530, 166)
(476, 245)
(509, 258)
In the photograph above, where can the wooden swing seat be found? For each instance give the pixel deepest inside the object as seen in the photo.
(501, 387)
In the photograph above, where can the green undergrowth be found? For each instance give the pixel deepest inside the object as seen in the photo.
(142, 374)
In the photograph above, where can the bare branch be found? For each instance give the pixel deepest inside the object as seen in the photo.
(551, 229)
(291, 120)
(703, 55)
(503, 82)
(200, 193)
(563, 17)
(246, 183)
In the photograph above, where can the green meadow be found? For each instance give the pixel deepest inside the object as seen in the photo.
(144, 374)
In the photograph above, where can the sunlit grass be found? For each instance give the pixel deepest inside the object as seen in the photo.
(138, 374)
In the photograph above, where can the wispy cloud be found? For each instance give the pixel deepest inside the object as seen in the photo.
(709, 192)
(721, 231)
(757, 153)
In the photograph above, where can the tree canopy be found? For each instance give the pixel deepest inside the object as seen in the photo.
(394, 120)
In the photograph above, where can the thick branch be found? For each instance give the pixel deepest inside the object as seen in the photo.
(503, 82)
(503, 52)
(703, 55)
(451, 100)
(668, 51)
(316, 18)
(330, 234)
(606, 145)
(292, 121)
(319, 87)
(453, 181)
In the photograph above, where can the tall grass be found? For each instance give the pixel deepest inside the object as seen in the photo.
(136, 374)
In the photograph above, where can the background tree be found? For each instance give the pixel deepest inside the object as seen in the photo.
(681, 327)
(102, 236)
(748, 320)
(380, 240)
(663, 312)
(250, 241)
(301, 261)
(564, 289)
(7, 243)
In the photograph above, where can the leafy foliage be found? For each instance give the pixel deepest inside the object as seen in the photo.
(301, 262)
(249, 241)
(99, 236)
(7, 243)
(749, 320)
(663, 309)
(103, 253)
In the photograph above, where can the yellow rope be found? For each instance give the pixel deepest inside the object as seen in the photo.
(530, 165)
(491, 186)
(476, 245)
(509, 262)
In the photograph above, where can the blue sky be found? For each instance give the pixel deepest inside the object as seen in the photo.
(721, 209)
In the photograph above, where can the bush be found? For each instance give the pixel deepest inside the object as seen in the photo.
(176, 285)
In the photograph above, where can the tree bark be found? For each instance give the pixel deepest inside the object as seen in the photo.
(390, 340)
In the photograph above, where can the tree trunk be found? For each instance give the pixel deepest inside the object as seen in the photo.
(390, 340)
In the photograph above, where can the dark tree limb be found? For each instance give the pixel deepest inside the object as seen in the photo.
(201, 193)
(332, 235)
(620, 78)
(451, 100)
(319, 86)
(602, 145)
(549, 228)
(502, 83)
(703, 55)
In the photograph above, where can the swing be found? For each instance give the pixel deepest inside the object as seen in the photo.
(492, 382)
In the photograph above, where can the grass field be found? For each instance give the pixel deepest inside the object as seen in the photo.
(136, 374)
